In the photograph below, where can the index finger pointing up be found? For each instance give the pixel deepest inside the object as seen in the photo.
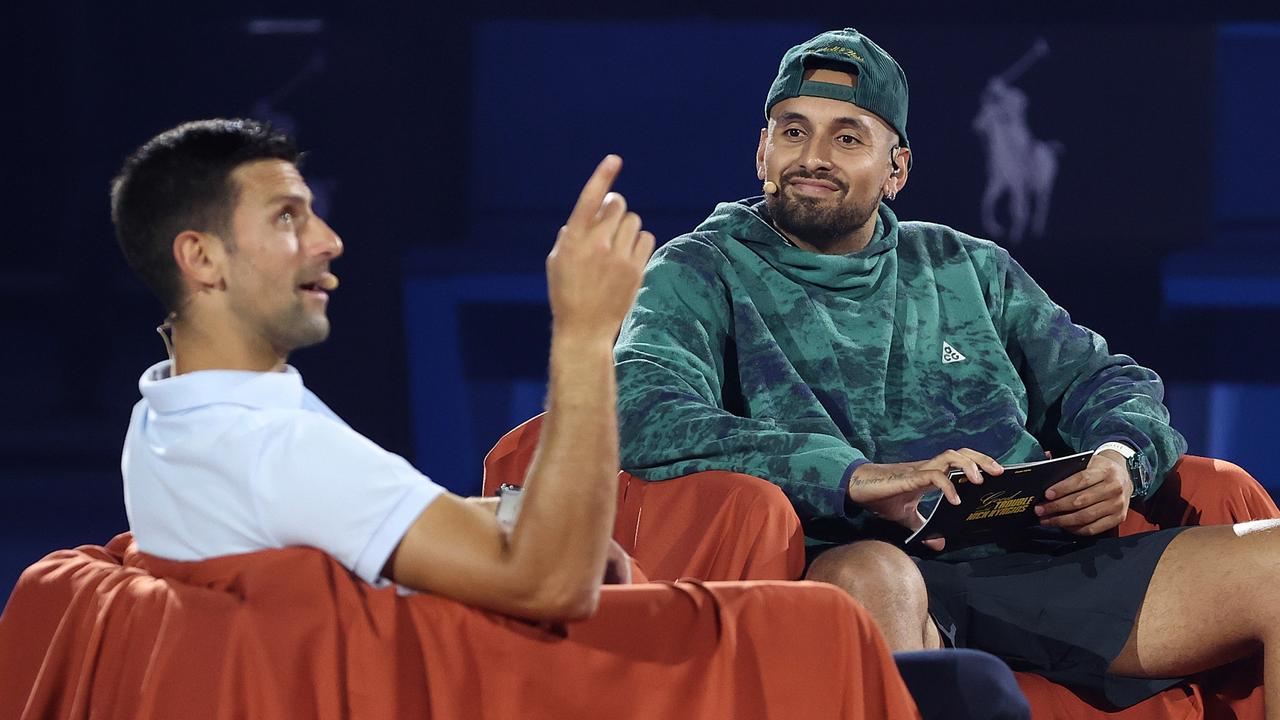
(593, 192)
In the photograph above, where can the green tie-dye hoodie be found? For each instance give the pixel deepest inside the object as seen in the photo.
(748, 354)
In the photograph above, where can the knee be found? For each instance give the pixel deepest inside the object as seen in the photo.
(873, 572)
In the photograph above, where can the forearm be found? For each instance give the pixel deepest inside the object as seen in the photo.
(1123, 402)
(1109, 397)
(551, 564)
(567, 514)
(1070, 371)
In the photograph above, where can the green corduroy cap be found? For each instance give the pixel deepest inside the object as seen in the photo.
(881, 87)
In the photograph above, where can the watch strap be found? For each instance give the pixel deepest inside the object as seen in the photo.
(1124, 450)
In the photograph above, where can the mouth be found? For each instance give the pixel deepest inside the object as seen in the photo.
(320, 287)
(814, 186)
(312, 289)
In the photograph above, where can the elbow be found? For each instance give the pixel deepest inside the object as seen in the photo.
(563, 604)
(580, 607)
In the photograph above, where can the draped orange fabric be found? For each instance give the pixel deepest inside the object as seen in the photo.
(728, 526)
(113, 633)
(731, 526)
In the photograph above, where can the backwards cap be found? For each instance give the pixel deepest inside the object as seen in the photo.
(880, 85)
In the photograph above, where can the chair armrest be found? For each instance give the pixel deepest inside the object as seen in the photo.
(711, 525)
(1201, 491)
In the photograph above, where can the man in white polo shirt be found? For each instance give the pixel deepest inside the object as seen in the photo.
(228, 452)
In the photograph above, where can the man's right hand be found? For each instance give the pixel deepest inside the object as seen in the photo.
(892, 490)
(595, 268)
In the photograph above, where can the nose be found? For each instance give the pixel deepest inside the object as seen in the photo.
(329, 243)
(816, 155)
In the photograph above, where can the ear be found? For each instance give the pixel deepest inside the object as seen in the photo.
(764, 137)
(201, 259)
(898, 178)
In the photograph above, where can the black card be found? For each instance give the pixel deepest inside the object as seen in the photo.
(1000, 506)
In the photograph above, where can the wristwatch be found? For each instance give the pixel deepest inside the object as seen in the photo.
(510, 497)
(1132, 461)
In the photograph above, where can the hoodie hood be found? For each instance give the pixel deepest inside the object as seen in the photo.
(745, 221)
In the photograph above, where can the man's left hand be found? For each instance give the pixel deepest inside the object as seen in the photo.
(1093, 500)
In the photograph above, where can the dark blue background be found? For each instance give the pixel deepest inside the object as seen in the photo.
(448, 144)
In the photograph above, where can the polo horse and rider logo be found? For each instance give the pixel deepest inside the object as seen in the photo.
(1020, 168)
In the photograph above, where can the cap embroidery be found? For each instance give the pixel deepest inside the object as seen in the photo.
(841, 51)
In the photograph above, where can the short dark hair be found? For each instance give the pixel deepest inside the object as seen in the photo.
(181, 180)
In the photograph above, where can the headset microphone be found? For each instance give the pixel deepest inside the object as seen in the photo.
(327, 282)
(770, 187)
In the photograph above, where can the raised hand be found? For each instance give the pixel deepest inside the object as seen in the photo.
(595, 268)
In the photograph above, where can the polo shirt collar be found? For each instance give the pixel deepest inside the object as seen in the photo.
(168, 393)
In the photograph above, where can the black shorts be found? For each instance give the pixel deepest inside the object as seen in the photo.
(1063, 611)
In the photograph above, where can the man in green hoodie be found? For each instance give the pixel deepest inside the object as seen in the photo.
(809, 338)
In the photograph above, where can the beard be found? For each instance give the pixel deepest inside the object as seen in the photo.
(818, 223)
(296, 328)
(288, 324)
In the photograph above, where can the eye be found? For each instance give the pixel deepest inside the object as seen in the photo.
(793, 132)
(286, 217)
(847, 139)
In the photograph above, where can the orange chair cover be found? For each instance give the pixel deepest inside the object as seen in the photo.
(113, 633)
(727, 526)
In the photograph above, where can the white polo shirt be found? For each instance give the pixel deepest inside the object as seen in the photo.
(219, 462)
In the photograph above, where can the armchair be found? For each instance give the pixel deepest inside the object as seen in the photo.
(728, 526)
(111, 632)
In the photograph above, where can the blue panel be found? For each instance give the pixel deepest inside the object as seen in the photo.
(1246, 143)
(528, 398)
(1222, 292)
(1222, 278)
(1242, 268)
(442, 395)
(1231, 421)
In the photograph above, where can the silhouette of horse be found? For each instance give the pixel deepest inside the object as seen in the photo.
(1019, 166)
